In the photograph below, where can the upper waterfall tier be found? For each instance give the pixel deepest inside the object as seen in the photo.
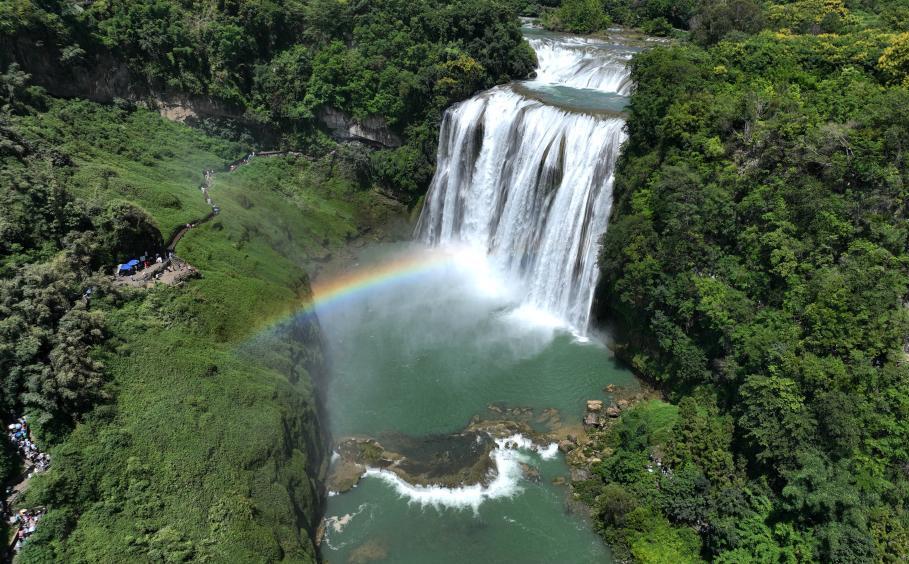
(581, 63)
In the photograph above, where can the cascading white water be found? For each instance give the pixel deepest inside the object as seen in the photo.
(582, 63)
(530, 183)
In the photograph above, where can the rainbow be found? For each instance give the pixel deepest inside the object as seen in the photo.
(334, 291)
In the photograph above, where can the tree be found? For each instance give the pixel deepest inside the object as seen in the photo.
(894, 61)
(774, 419)
(715, 19)
(578, 16)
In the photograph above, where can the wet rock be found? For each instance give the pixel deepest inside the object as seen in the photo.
(611, 388)
(501, 428)
(495, 408)
(622, 404)
(344, 475)
(558, 481)
(591, 420)
(530, 473)
(613, 411)
(594, 405)
(448, 460)
(567, 446)
(551, 418)
(370, 551)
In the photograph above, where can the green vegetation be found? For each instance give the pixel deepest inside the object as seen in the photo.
(757, 266)
(280, 66)
(757, 270)
(181, 421)
(578, 16)
(708, 20)
(655, 17)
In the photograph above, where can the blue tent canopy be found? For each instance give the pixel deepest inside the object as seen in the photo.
(128, 265)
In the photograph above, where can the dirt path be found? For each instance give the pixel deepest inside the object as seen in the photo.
(208, 178)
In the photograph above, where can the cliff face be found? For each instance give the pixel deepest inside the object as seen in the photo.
(301, 455)
(101, 78)
(372, 131)
(104, 78)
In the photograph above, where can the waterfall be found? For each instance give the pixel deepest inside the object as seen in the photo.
(529, 183)
(582, 63)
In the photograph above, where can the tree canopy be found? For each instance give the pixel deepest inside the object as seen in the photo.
(757, 266)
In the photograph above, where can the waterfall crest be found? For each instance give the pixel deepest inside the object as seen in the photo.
(531, 184)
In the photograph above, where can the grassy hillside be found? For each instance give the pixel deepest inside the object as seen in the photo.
(211, 446)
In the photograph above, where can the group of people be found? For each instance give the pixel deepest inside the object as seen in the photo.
(137, 265)
(27, 520)
(20, 436)
(245, 160)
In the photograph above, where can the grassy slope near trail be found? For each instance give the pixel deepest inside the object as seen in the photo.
(211, 444)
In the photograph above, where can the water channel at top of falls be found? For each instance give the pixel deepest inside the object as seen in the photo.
(484, 317)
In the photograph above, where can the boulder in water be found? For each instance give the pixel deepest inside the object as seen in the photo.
(567, 446)
(594, 405)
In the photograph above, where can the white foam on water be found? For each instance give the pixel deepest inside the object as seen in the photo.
(547, 452)
(337, 524)
(527, 188)
(505, 484)
(529, 185)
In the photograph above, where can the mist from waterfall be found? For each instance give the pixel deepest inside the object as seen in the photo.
(530, 183)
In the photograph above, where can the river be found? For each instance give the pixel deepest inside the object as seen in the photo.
(484, 318)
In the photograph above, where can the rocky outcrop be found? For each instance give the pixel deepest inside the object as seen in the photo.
(446, 460)
(372, 130)
(104, 78)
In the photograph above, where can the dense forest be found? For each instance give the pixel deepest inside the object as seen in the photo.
(166, 444)
(279, 65)
(757, 271)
